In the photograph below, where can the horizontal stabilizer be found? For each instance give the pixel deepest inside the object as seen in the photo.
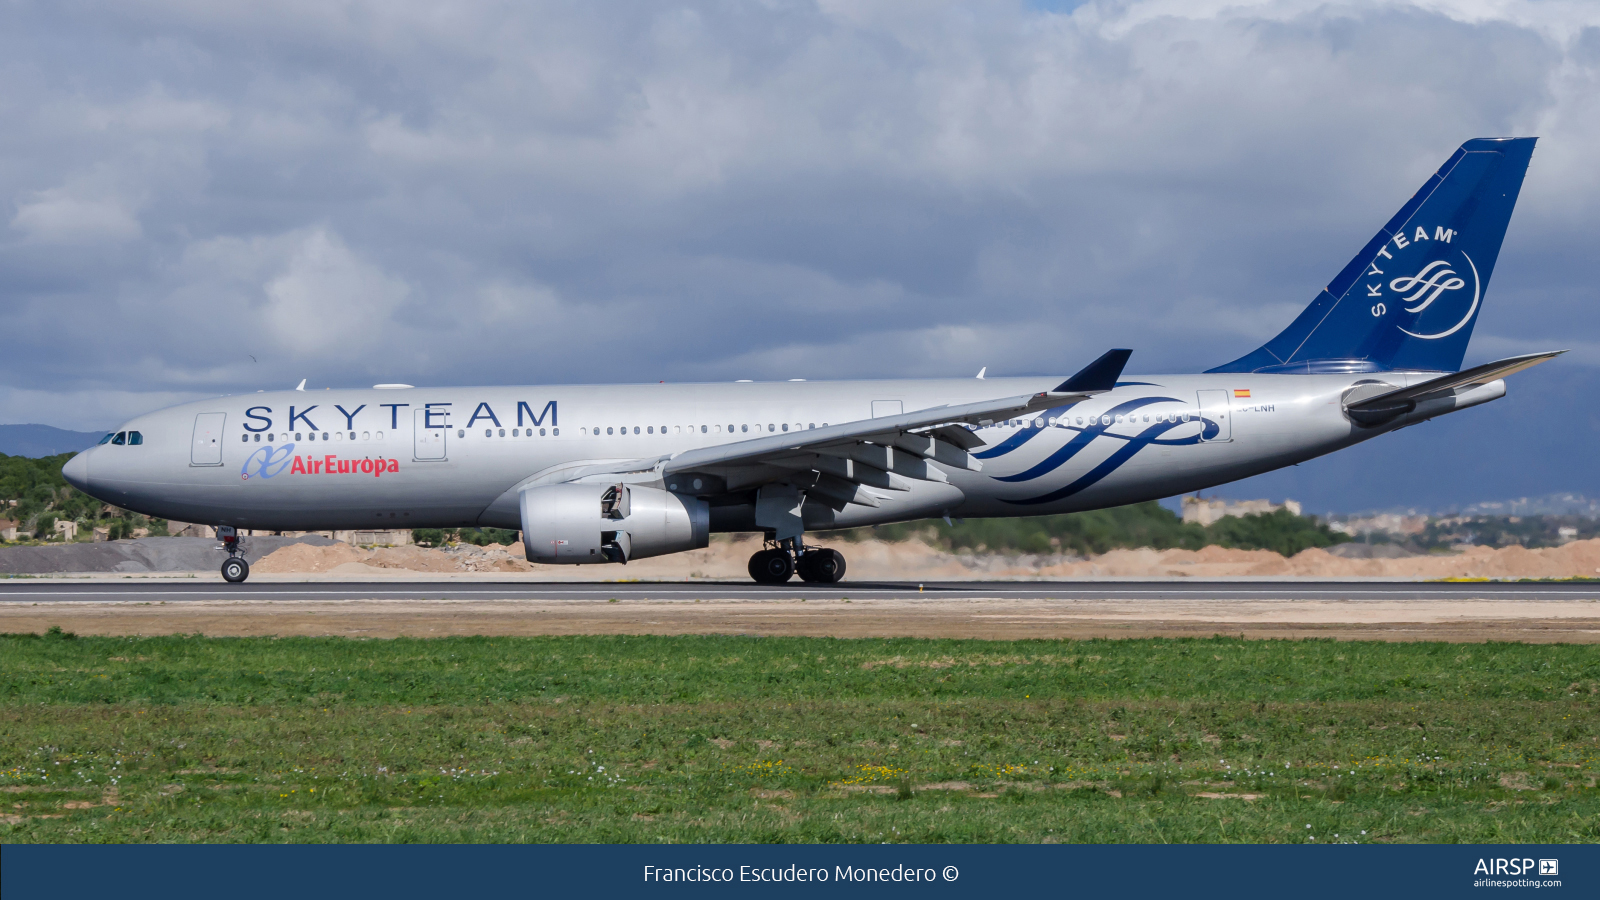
(1382, 407)
(1100, 375)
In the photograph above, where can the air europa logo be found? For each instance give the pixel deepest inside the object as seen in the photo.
(333, 465)
(1436, 281)
(268, 462)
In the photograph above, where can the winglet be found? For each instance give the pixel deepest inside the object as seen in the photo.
(1100, 375)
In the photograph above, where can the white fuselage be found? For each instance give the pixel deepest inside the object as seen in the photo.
(451, 457)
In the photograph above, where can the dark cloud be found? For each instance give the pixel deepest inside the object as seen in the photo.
(362, 192)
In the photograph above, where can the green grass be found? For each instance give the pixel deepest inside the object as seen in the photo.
(690, 739)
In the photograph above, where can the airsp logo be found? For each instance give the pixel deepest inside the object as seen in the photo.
(1436, 294)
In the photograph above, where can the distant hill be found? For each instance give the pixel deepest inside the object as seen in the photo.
(43, 440)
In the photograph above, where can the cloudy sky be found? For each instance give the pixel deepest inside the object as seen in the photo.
(198, 198)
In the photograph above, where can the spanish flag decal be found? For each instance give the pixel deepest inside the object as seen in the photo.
(1238, 393)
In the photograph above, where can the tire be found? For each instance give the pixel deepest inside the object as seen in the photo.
(771, 567)
(822, 566)
(235, 570)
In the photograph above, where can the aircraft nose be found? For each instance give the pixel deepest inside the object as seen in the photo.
(76, 472)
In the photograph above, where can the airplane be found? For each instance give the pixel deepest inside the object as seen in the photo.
(605, 474)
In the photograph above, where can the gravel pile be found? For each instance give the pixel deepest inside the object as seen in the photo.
(162, 554)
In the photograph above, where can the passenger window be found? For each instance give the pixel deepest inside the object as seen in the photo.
(297, 436)
(635, 429)
(242, 437)
(366, 435)
(461, 432)
(271, 438)
(786, 426)
(770, 427)
(135, 438)
(744, 427)
(502, 432)
(608, 431)
(811, 426)
(258, 438)
(513, 432)
(109, 436)
(650, 429)
(488, 432)
(554, 432)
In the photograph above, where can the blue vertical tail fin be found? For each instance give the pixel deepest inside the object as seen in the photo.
(1409, 299)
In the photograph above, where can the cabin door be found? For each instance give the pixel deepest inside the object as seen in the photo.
(207, 447)
(429, 442)
(1214, 409)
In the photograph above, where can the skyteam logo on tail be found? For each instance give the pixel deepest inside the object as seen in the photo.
(1441, 294)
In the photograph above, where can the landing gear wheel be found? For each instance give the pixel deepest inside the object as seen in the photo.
(771, 567)
(235, 570)
(821, 566)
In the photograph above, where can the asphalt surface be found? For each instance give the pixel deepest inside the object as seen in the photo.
(27, 591)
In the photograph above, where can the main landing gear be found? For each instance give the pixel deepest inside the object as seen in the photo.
(777, 564)
(234, 569)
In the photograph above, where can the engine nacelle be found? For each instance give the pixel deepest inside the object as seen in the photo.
(593, 523)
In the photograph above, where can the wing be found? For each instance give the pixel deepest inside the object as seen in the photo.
(846, 462)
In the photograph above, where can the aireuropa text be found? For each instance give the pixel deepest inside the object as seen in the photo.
(792, 873)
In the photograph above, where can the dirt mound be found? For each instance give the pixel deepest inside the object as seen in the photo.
(915, 560)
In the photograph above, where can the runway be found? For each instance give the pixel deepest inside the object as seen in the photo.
(179, 591)
(1009, 610)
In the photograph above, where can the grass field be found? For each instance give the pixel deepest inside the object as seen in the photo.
(691, 739)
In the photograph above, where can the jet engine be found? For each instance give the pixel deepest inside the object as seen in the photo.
(593, 523)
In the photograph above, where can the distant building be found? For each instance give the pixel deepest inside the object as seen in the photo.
(67, 528)
(398, 537)
(395, 538)
(8, 530)
(186, 529)
(1383, 523)
(1199, 511)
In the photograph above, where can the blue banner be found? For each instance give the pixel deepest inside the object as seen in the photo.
(307, 872)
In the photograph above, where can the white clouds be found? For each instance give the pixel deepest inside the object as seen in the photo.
(409, 192)
(56, 217)
(329, 301)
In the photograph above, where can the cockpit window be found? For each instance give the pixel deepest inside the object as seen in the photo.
(121, 438)
(107, 438)
(135, 438)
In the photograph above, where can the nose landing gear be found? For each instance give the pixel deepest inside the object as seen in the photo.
(234, 569)
(777, 564)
